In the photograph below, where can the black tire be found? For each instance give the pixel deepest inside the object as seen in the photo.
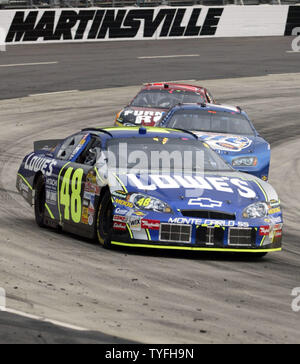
(105, 221)
(39, 201)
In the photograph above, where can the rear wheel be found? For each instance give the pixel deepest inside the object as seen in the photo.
(40, 201)
(105, 221)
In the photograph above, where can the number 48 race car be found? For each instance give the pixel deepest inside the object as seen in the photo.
(150, 188)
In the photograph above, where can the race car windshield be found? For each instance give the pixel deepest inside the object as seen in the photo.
(165, 99)
(162, 154)
(211, 121)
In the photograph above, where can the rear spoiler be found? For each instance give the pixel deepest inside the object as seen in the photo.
(46, 144)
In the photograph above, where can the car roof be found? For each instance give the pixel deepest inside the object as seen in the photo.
(172, 86)
(141, 132)
(209, 107)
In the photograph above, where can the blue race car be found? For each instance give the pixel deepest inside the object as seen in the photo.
(150, 188)
(228, 130)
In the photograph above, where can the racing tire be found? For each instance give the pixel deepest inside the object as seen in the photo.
(39, 201)
(105, 221)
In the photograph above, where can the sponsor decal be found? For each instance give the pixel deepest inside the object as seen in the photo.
(23, 187)
(264, 230)
(135, 223)
(274, 203)
(119, 226)
(273, 211)
(88, 195)
(195, 221)
(275, 231)
(138, 213)
(204, 202)
(92, 188)
(144, 116)
(51, 197)
(51, 182)
(91, 178)
(276, 220)
(227, 143)
(100, 24)
(120, 194)
(222, 184)
(271, 231)
(124, 203)
(85, 216)
(85, 203)
(120, 211)
(34, 163)
(119, 218)
(150, 224)
(51, 191)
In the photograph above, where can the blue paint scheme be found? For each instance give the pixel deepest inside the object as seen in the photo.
(258, 147)
(232, 201)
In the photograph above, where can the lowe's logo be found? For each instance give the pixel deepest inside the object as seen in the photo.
(205, 202)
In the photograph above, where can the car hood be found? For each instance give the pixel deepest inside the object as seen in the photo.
(222, 191)
(232, 144)
(141, 115)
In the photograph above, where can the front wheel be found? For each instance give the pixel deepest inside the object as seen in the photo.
(105, 221)
(40, 201)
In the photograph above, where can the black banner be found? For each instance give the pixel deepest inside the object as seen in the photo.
(68, 25)
(293, 20)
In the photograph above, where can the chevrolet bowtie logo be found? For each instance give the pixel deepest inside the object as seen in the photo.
(205, 202)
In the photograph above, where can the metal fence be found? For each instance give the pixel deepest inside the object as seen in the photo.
(18, 4)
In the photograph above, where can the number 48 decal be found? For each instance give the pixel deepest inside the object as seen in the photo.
(71, 199)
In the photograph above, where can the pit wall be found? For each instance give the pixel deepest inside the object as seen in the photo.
(96, 24)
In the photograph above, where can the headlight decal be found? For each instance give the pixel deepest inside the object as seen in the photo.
(260, 210)
(149, 203)
(256, 210)
(245, 162)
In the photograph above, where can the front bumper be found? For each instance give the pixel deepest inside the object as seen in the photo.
(157, 245)
(214, 238)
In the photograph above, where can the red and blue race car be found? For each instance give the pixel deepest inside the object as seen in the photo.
(155, 99)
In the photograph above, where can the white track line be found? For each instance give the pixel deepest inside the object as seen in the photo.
(53, 93)
(171, 56)
(27, 64)
(43, 319)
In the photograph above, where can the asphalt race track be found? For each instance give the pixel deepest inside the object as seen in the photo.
(90, 66)
(88, 294)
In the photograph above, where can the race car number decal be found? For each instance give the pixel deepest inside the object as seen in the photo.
(144, 202)
(71, 200)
